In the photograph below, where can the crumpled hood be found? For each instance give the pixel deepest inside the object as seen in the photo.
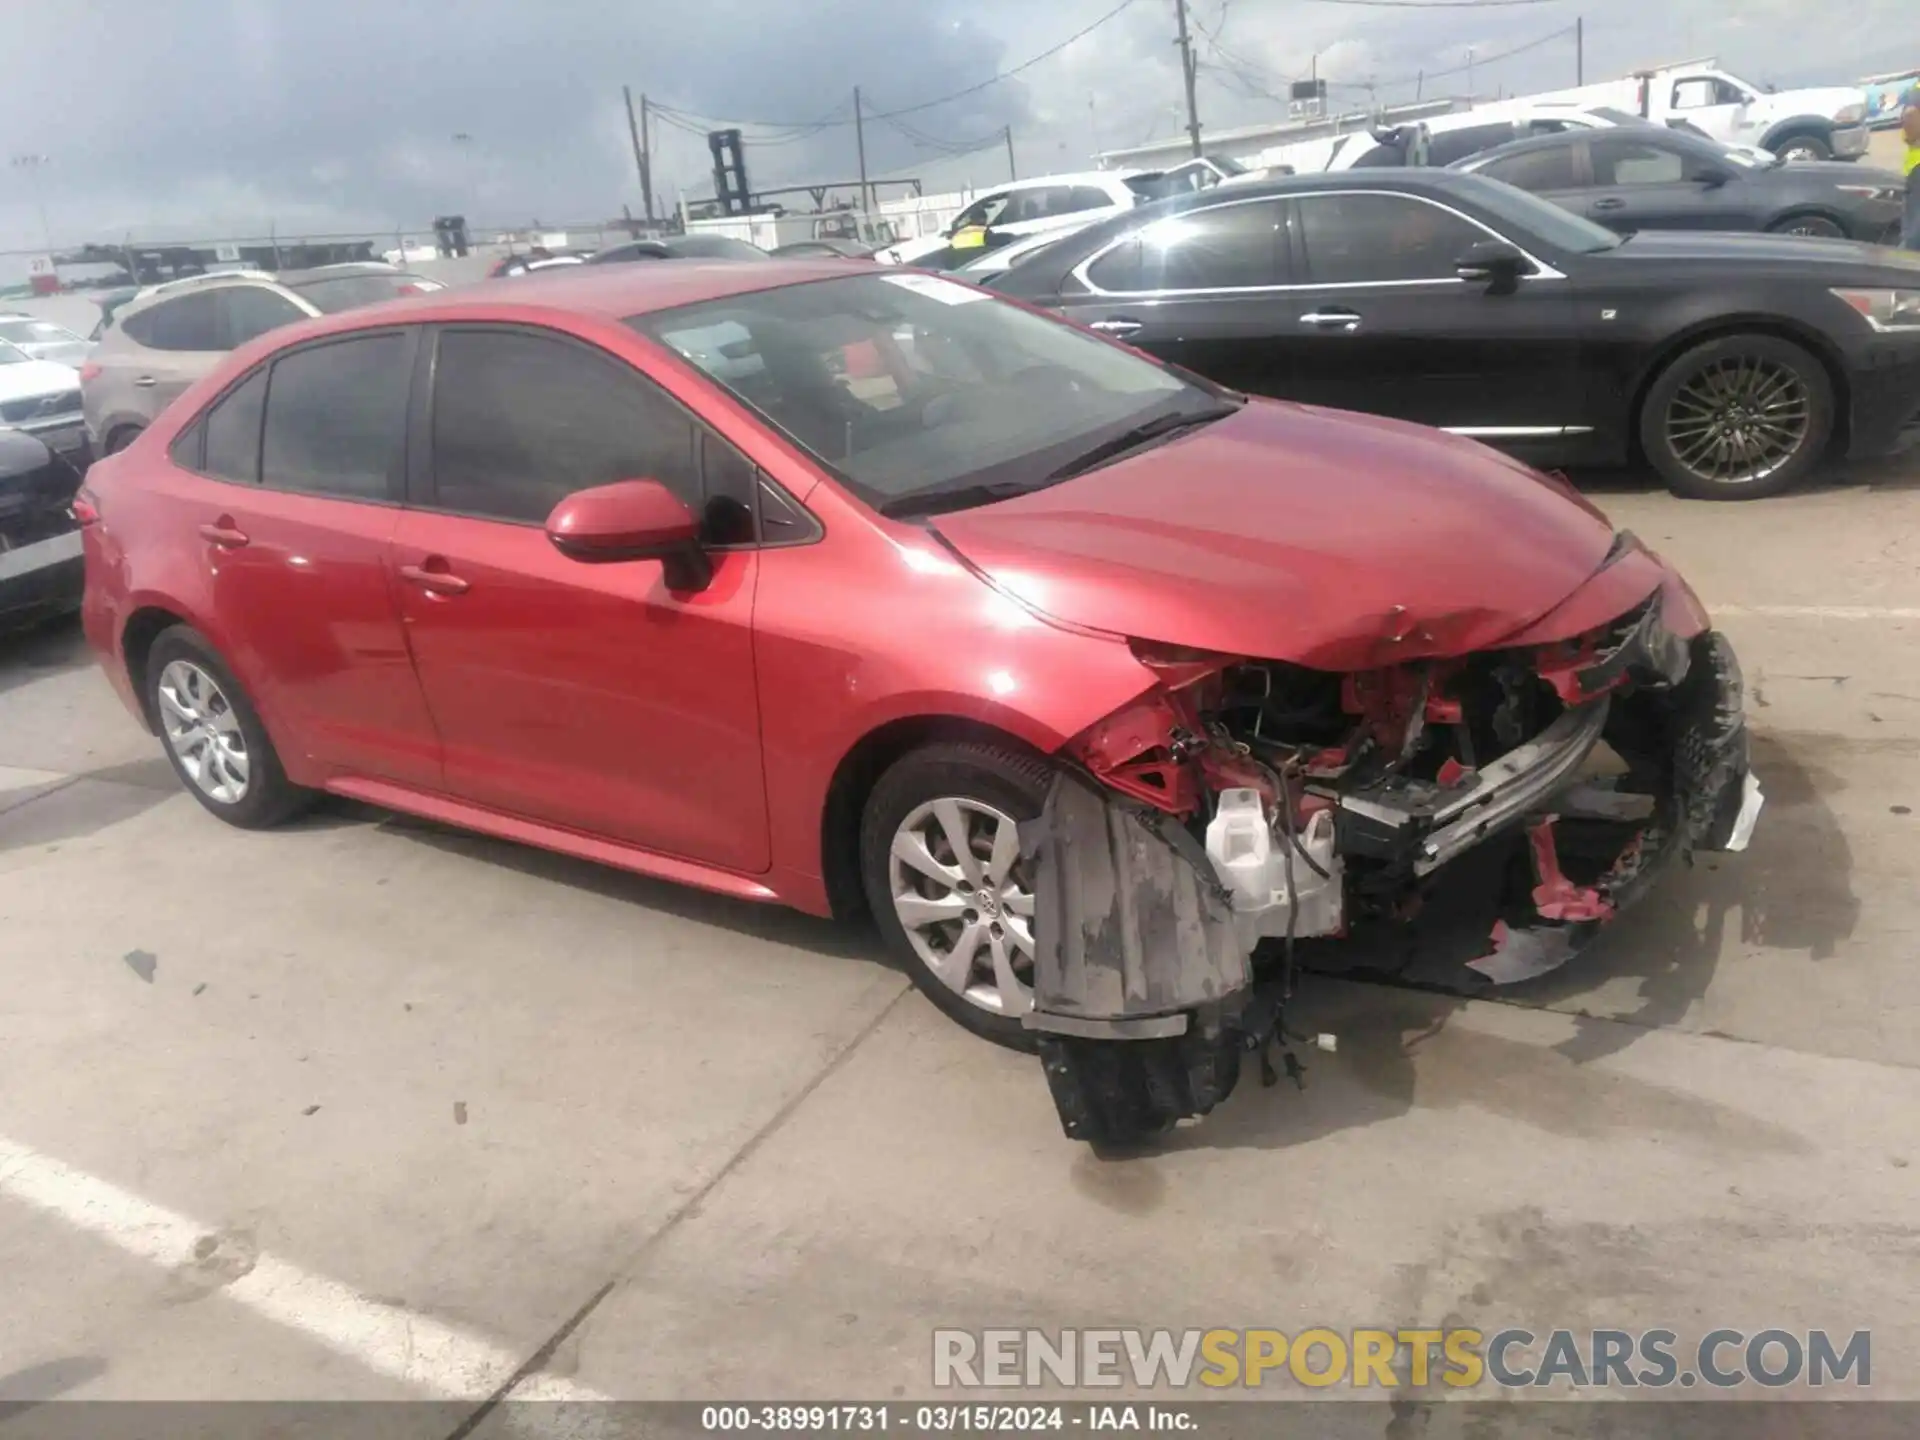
(1287, 532)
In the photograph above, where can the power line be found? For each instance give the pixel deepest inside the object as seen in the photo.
(817, 125)
(1436, 4)
(1479, 62)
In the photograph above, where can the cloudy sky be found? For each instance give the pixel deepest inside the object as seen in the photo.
(210, 118)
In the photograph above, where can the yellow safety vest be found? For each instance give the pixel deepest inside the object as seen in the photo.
(1913, 159)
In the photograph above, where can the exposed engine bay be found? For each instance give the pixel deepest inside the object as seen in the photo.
(1242, 806)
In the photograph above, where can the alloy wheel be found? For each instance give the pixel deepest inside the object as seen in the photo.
(1739, 419)
(203, 732)
(962, 896)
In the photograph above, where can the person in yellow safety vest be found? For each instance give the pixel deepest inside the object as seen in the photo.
(1910, 132)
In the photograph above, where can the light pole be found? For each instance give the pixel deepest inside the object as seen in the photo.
(31, 165)
(463, 142)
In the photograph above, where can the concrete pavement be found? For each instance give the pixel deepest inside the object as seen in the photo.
(364, 1108)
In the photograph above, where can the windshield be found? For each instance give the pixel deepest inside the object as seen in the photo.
(1559, 228)
(11, 354)
(350, 292)
(1226, 165)
(36, 332)
(911, 385)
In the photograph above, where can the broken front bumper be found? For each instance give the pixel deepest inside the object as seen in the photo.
(1146, 996)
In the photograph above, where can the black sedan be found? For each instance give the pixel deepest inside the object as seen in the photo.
(678, 247)
(1732, 363)
(40, 563)
(1643, 177)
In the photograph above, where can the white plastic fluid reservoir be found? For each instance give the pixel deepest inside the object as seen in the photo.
(1240, 844)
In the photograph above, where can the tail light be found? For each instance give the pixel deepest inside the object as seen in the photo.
(89, 371)
(86, 507)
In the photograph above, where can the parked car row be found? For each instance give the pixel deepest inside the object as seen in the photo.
(1730, 363)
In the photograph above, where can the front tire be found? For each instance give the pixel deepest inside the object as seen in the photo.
(213, 736)
(1804, 147)
(941, 864)
(1738, 418)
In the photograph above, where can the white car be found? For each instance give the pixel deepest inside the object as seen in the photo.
(43, 340)
(41, 398)
(1033, 207)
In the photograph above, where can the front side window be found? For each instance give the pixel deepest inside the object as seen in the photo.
(953, 389)
(521, 421)
(1379, 239)
(252, 311)
(1636, 162)
(1227, 247)
(337, 418)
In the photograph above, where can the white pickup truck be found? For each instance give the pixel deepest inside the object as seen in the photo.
(1827, 123)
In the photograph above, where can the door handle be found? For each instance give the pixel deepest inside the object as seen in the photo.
(1611, 202)
(224, 533)
(1332, 319)
(1119, 329)
(438, 582)
(145, 382)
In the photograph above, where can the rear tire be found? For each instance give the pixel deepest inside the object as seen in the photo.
(212, 734)
(1738, 418)
(961, 927)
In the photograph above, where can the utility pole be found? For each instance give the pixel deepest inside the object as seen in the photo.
(1186, 73)
(1579, 50)
(1012, 172)
(1469, 74)
(860, 142)
(637, 132)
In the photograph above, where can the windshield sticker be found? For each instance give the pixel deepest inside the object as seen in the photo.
(934, 288)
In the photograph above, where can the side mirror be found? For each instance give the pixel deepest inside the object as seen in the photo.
(1715, 178)
(632, 520)
(1493, 263)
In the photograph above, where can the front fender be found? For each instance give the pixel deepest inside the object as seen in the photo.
(1821, 125)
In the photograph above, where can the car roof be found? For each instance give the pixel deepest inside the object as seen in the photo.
(1679, 139)
(174, 289)
(610, 292)
(1103, 178)
(345, 269)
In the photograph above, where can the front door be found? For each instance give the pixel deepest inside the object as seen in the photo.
(295, 518)
(1202, 289)
(1382, 323)
(1652, 182)
(585, 695)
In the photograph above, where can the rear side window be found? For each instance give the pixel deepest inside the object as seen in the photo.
(1548, 169)
(233, 432)
(1088, 197)
(522, 421)
(1228, 247)
(1362, 239)
(1451, 145)
(190, 322)
(336, 418)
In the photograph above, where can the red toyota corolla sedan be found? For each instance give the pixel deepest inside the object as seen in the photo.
(1097, 684)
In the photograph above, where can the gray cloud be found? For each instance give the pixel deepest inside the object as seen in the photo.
(234, 114)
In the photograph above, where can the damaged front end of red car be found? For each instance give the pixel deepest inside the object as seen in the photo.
(1242, 805)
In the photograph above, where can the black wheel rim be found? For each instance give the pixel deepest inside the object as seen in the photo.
(1738, 420)
(1824, 228)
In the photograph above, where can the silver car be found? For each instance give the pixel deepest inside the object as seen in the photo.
(161, 342)
(42, 398)
(43, 340)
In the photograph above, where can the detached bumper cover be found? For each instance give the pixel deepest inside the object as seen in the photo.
(1145, 1001)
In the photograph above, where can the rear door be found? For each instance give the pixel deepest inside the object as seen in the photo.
(304, 466)
(589, 696)
(174, 343)
(1383, 323)
(1202, 289)
(1644, 180)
